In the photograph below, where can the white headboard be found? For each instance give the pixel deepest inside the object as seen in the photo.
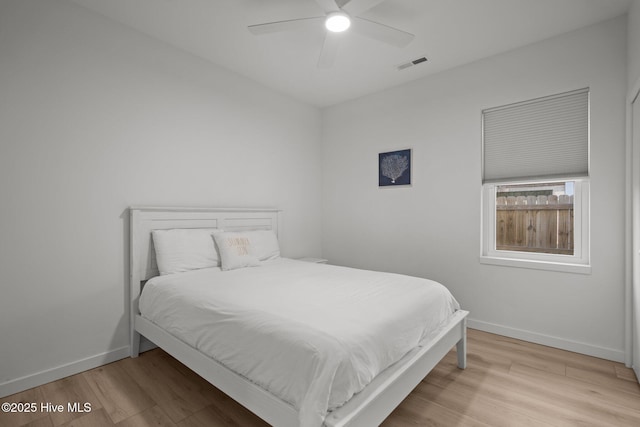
(145, 219)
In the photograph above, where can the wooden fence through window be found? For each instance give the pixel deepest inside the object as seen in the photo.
(535, 224)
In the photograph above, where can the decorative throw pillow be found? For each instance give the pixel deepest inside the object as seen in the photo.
(236, 250)
(184, 249)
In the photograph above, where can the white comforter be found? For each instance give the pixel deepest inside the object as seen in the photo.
(311, 334)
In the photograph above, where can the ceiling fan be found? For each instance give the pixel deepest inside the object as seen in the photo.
(337, 19)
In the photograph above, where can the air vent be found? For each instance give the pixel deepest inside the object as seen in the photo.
(412, 63)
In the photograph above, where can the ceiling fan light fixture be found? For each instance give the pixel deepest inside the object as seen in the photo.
(337, 22)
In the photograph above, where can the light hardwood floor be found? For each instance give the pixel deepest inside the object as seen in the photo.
(507, 383)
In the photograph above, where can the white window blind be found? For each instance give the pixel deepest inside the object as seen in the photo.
(542, 138)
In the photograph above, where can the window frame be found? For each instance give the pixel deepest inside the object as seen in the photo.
(579, 262)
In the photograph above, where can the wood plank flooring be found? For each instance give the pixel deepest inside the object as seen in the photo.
(507, 383)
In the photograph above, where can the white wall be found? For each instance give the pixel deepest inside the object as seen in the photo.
(433, 228)
(95, 117)
(633, 43)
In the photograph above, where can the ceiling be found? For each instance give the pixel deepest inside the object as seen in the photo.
(448, 32)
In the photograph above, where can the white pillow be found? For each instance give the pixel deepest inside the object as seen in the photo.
(185, 249)
(264, 243)
(236, 250)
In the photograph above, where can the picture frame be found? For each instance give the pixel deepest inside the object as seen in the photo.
(394, 168)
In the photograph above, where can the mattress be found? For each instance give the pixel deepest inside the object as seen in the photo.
(311, 334)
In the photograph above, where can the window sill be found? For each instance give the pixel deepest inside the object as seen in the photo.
(537, 265)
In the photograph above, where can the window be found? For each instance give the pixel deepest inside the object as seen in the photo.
(536, 183)
(538, 225)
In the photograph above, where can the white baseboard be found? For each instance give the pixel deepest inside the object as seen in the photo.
(29, 381)
(34, 380)
(548, 340)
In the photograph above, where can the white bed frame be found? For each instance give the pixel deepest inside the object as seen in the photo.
(368, 408)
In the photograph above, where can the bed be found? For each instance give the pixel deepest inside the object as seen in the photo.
(329, 374)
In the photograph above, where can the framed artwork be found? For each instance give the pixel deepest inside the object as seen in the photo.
(394, 168)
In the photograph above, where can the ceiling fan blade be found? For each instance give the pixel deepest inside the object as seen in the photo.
(381, 32)
(289, 25)
(356, 7)
(329, 50)
(328, 5)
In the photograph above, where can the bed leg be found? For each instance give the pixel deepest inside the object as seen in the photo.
(135, 344)
(461, 347)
